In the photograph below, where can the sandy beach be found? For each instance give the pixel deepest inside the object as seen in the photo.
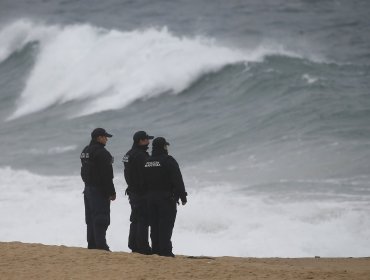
(37, 261)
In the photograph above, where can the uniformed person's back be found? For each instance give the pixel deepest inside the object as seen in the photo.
(164, 187)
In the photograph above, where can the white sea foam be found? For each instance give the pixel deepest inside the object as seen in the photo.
(216, 221)
(16, 35)
(309, 79)
(109, 69)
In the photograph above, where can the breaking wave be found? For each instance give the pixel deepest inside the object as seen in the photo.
(109, 69)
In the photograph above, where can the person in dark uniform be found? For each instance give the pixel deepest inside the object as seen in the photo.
(97, 174)
(134, 161)
(164, 187)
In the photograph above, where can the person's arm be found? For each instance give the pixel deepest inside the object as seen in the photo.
(126, 170)
(105, 159)
(176, 180)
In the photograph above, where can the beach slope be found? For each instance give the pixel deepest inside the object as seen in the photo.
(37, 261)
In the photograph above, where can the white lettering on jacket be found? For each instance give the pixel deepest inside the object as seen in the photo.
(152, 164)
(84, 155)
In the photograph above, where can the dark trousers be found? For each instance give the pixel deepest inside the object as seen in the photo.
(138, 236)
(97, 216)
(162, 215)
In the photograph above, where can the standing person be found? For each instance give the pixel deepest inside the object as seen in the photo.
(164, 187)
(134, 161)
(97, 173)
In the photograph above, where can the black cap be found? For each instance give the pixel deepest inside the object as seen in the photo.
(160, 142)
(100, 132)
(141, 135)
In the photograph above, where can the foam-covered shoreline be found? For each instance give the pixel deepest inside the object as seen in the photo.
(37, 261)
(49, 210)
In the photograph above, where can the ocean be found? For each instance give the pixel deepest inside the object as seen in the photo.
(266, 105)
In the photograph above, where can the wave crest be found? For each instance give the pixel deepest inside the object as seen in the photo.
(109, 69)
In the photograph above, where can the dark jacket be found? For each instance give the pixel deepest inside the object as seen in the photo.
(97, 169)
(134, 161)
(162, 174)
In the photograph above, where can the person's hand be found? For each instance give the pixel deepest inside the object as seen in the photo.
(184, 200)
(112, 197)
